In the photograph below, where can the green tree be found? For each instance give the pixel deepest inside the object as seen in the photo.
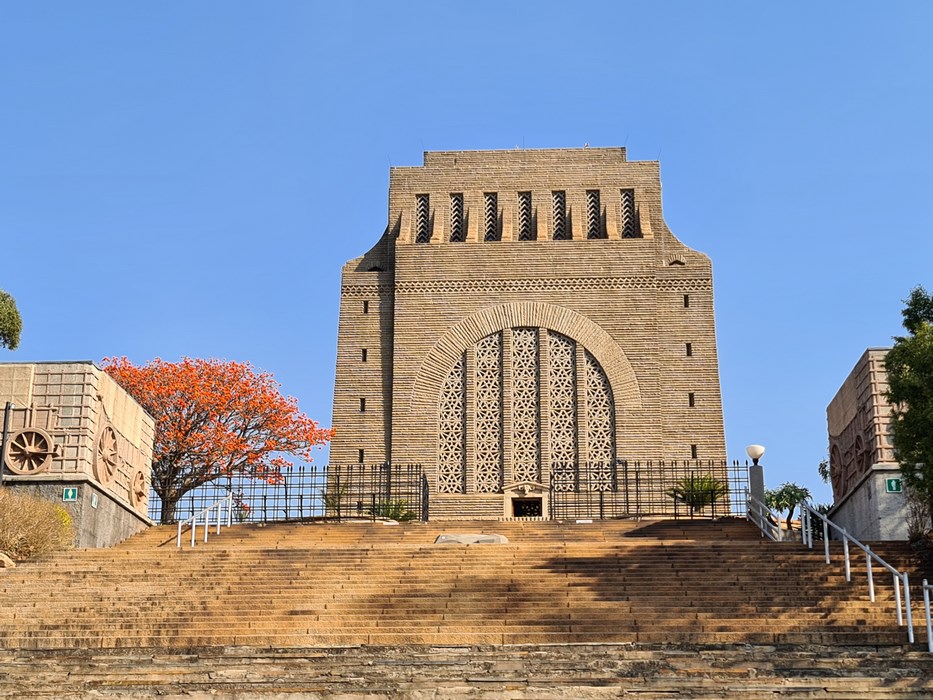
(786, 498)
(11, 325)
(823, 469)
(910, 391)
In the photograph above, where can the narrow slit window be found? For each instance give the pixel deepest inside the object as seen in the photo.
(693, 452)
(491, 217)
(364, 353)
(593, 215)
(365, 307)
(457, 234)
(559, 213)
(692, 399)
(686, 301)
(362, 456)
(627, 215)
(689, 349)
(524, 217)
(422, 218)
(363, 405)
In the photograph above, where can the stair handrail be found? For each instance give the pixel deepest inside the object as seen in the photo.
(761, 515)
(926, 613)
(901, 579)
(206, 513)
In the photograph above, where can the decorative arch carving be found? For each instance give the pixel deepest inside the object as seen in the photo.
(449, 349)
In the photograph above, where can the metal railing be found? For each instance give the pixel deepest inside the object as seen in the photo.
(308, 492)
(646, 488)
(761, 515)
(926, 611)
(901, 580)
(205, 514)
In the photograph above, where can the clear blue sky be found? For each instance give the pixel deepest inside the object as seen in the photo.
(187, 178)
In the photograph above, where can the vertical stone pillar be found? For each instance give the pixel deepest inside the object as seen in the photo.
(580, 385)
(473, 216)
(756, 482)
(544, 406)
(508, 216)
(507, 407)
(469, 406)
(612, 202)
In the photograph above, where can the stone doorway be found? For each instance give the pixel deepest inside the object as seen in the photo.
(527, 508)
(525, 499)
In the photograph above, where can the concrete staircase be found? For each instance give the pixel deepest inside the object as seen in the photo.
(312, 610)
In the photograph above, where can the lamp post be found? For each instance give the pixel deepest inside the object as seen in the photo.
(756, 473)
(7, 409)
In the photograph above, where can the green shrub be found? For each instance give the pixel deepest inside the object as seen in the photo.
(30, 526)
(394, 509)
(699, 491)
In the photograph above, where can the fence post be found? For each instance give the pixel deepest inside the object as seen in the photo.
(910, 614)
(637, 493)
(425, 498)
(845, 549)
(926, 609)
(826, 539)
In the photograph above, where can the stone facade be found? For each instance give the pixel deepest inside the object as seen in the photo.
(858, 418)
(527, 314)
(861, 456)
(72, 426)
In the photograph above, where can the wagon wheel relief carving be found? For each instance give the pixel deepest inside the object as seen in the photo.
(138, 488)
(29, 451)
(105, 457)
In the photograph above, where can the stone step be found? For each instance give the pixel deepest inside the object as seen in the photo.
(521, 671)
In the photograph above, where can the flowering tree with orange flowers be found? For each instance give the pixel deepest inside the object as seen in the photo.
(215, 418)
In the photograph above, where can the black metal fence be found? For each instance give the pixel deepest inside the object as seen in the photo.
(309, 491)
(670, 488)
(679, 489)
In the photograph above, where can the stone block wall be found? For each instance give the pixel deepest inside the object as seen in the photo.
(857, 419)
(82, 430)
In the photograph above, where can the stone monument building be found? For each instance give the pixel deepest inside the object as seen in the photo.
(526, 319)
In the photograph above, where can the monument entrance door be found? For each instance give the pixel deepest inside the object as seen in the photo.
(526, 508)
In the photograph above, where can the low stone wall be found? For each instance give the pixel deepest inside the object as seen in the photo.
(869, 513)
(99, 519)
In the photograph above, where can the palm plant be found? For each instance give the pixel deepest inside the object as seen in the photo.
(699, 491)
(787, 497)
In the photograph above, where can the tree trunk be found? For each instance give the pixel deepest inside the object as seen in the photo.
(169, 505)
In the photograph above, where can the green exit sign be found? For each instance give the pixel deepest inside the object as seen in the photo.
(70, 494)
(892, 486)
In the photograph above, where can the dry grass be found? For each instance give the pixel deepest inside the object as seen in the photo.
(30, 526)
